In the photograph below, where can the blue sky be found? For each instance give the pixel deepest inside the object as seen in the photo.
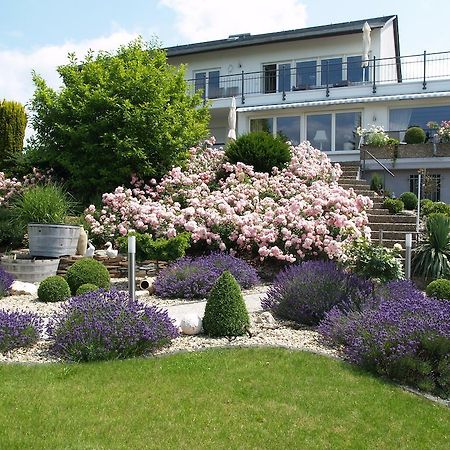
(38, 34)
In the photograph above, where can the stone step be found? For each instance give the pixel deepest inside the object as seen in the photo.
(404, 227)
(353, 182)
(389, 243)
(390, 218)
(398, 236)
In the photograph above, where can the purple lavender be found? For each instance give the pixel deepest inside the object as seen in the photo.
(305, 292)
(403, 335)
(104, 324)
(195, 277)
(18, 329)
(6, 281)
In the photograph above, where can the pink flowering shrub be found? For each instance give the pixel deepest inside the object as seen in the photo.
(290, 214)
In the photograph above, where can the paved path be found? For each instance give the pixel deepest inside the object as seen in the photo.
(177, 312)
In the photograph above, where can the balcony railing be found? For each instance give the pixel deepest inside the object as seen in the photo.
(326, 75)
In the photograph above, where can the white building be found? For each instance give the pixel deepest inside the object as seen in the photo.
(310, 84)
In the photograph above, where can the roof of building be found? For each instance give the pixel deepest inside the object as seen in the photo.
(246, 39)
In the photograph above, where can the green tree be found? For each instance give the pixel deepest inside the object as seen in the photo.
(13, 122)
(116, 114)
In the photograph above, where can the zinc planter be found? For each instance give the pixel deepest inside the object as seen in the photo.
(53, 240)
(25, 268)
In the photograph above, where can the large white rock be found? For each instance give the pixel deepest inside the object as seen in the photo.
(23, 288)
(265, 318)
(191, 324)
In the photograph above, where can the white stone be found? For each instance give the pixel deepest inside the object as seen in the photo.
(191, 324)
(266, 318)
(23, 288)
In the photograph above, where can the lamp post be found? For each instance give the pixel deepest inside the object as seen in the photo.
(132, 266)
(408, 247)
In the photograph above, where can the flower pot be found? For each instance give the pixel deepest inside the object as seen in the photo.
(53, 240)
(26, 268)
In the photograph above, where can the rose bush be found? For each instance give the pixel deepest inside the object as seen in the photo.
(289, 214)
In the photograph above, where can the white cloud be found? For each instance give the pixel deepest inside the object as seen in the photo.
(203, 20)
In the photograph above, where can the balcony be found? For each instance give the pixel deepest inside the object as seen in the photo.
(334, 78)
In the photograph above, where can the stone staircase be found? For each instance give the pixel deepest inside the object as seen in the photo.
(387, 228)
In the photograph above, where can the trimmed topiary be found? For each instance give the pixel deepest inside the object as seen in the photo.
(87, 270)
(260, 150)
(53, 289)
(439, 288)
(13, 122)
(394, 205)
(415, 135)
(87, 287)
(410, 201)
(225, 312)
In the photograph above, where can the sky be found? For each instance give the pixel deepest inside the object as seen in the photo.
(38, 34)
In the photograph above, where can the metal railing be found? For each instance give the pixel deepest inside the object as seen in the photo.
(325, 75)
(363, 154)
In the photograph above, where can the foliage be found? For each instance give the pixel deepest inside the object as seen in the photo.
(376, 183)
(439, 288)
(103, 325)
(428, 207)
(53, 289)
(225, 311)
(409, 200)
(375, 136)
(406, 338)
(259, 149)
(13, 122)
(18, 329)
(86, 287)
(415, 135)
(195, 277)
(431, 259)
(6, 281)
(374, 261)
(87, 270)
(393, 205)
(159, 249)
(42, 204)
(117, 113)
(297, 212)
(305, 292)
(11, 233)
(443, 130)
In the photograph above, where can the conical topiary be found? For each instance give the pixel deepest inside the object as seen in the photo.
(225, 312)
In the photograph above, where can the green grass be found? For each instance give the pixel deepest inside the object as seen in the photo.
(219, 399)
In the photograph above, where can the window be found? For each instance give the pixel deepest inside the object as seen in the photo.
(431, 186)
(262, 125)
(355, 72)
(200, 82)
(345, 128)
(210, 79)
(284, 77)
(331, 71)
(289, 128)
(270, 78)
(277, 78)
(306, 74)
(318, 131)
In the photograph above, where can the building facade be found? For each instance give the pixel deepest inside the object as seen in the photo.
(322, 83)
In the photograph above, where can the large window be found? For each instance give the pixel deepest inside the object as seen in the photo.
(318, 131)
(345, 128)
(277, 77)
(262, 125)
(306, 74)
(289, 128)
(208, 82)
(355, 72)
(331, 71)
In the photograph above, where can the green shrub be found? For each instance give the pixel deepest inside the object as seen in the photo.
(42, 204)
(439, 288)
(225, 312)
(85, 271)
(260, 150)
(11, 233)
(53, 289)
(13, 122)
(157, 249)
(87, 287)
(431, 259)
(394, 205)
(415, 135)
(409, 199)
(428, 207)
(376, 183)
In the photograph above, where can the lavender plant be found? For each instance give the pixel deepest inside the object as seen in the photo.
(403, 335)
(6, 281)
(18, 329)
(195, 277)
(102, 325)
(305, 292)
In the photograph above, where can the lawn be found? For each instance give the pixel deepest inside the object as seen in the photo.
(217, 399)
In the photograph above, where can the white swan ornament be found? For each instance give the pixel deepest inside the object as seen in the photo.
(110, 252)
(90, 250)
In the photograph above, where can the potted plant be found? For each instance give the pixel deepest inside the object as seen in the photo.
(44, 210)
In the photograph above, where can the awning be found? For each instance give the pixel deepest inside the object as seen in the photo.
(345, 101)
